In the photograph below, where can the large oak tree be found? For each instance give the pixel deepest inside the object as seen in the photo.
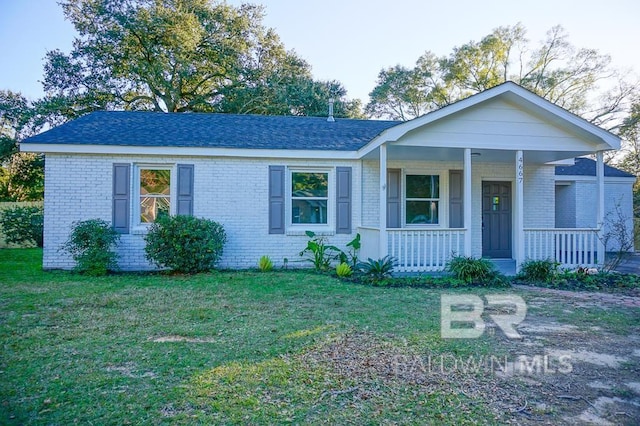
(177, 56)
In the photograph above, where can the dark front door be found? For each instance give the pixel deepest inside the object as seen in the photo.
(496, 219)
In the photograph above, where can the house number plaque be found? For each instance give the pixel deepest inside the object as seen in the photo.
(520, 171)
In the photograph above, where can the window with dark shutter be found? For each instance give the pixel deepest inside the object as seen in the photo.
(456, 197)
(121, 198)
(185, 190)
(343, 200)
(393, 198)
(276, 199)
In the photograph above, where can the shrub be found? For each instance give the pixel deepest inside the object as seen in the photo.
(92, 243)
(472, 270)
(343, 270)
(351, 257)
(22, 225)
(539, 271)
(185, 244)
(265, 264)
(378, 270)
(319, 253)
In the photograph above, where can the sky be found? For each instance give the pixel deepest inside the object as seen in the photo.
(352, 40)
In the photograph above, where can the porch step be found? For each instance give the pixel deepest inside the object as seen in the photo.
(505, 266)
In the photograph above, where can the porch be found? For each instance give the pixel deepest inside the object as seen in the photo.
(429, 250)
(477, 178)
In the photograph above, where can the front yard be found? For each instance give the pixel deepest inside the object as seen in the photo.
(297, 347)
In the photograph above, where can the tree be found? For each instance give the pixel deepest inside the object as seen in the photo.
(15, 114)
(555, 70)
(174, 56)
(630, 162)
(21, 174)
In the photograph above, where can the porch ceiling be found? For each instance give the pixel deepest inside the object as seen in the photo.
(416, 153)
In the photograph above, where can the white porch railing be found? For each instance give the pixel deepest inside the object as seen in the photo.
(571, 247)
(419, 250)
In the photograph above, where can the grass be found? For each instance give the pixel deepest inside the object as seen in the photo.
(223, 347)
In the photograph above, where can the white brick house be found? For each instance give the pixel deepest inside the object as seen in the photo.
(477, 178)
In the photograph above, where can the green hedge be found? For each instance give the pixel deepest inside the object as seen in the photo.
(3, 238)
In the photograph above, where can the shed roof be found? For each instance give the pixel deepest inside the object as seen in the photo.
(587, 167)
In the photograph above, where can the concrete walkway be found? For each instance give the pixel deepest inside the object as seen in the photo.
(630, 265)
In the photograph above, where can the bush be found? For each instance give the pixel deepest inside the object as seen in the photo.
(319, 252)
(265, 264)
(475, 271)
(378, 270)
(343, 270)
(185, 244)
(92, 243)
(539, 271)
(22, 225)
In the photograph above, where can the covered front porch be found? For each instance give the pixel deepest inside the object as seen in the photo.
(480, 182)
(430, 250)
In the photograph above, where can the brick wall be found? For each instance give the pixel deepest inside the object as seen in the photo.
(233, 192)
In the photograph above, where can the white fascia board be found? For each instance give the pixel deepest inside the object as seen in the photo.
(608, 179)
(187, 151)
(566, 162)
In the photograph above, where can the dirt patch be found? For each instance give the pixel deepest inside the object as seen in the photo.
(607, 411)
(558, 373)
(130, 369)
(605, 360)
(588, 298)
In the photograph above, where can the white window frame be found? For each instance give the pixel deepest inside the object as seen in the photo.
(441, 207)
(300, 228)
(143, 226)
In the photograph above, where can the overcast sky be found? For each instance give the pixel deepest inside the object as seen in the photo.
(352, 40)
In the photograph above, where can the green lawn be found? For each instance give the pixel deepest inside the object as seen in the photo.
(232, 347)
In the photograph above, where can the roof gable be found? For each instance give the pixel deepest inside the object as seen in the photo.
(552, 116)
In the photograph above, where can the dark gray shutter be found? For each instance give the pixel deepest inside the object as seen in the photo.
(276, 199)
(343, 200)
(393, 198)
(185, 190)
(121, 198)
(456, 198)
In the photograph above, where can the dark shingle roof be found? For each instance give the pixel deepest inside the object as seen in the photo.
(214, 130)
(587, 167)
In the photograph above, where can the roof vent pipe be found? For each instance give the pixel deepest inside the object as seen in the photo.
(330, 118)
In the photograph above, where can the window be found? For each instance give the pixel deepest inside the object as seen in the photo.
(422, 199)
(155, 193)
(309, 197)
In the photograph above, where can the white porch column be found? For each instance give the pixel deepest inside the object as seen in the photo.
(519, 213)
(600, 206)
(383, 249)
(467, 201)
